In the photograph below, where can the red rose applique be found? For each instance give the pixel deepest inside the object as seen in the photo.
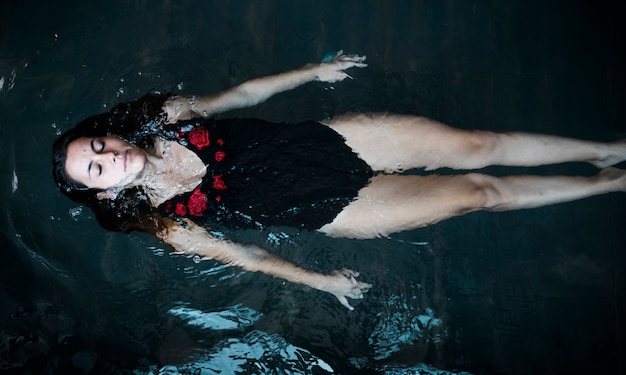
(220, 142)
(218, 183)
(219, 156)
(218, 198)
(197, 203)
(180, 210)
(199, 137)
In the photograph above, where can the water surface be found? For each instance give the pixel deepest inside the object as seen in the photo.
(531, 292)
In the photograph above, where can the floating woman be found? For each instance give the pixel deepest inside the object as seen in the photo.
(164, 165)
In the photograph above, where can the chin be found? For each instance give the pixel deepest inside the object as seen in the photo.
(136, 162)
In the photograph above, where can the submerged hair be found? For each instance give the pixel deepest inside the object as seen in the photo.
(137, 122)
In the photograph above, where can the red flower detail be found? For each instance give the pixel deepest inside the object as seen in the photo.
(197, 203)
(218, 198)
(181, 210)
(220, 142)
(220, 155)
(199, 137)
(218, 183)
(168, 207)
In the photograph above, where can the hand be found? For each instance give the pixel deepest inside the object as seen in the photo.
(342, 283)
(333, 71)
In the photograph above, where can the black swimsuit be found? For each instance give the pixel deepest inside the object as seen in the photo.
(258, 173)
(261, 173)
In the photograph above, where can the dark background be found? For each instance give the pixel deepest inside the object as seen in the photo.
(531, 292)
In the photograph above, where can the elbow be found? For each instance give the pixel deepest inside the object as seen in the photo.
(249, 258)
(177, 108)
(247, 94)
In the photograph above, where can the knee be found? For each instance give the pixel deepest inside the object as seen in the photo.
(482, 145)
(486, 192)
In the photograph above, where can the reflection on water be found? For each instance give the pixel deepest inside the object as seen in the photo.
(232, 318)
(487, 293)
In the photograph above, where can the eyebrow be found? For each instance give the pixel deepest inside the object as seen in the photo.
(91, 161)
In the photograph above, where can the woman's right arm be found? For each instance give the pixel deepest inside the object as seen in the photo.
(188, 238)
(258, 90)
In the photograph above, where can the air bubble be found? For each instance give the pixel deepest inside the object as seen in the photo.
(78, 213)
(55, 128)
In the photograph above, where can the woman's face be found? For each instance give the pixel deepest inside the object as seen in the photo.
(104, 162)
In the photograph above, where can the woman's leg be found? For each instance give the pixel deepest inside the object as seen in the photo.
(393, 203)
(389, 142)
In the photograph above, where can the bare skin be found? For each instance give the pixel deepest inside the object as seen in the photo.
(390, 202)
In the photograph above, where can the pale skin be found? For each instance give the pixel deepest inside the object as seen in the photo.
(390, 202)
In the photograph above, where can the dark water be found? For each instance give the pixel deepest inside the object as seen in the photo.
(531, 292)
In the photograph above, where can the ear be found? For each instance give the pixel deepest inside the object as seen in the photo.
(107, 194)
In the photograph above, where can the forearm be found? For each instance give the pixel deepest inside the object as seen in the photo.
(194, 240)
(253, 258)
(247, 94)
(258, 90)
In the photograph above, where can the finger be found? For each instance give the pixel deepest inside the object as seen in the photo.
(349, 272)
(364, 287)
(344, 302)
(355, 294)
(354, 58)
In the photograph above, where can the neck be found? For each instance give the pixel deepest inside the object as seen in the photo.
(170, 169)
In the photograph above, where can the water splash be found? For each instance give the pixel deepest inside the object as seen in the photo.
(234, 317)
(255, 353)
(403, 327)
(78, 213)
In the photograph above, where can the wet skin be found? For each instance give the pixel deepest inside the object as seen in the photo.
(104, 162)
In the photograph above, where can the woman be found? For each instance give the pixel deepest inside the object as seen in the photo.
(163, 165)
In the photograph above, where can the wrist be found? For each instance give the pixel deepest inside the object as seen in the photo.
(311, 71)
(318, 281)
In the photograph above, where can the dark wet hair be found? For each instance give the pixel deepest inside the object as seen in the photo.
(59, 158)
(137, 122)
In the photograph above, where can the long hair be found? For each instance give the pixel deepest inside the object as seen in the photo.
(138, 122)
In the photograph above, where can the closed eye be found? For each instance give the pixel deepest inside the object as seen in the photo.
(93, 148)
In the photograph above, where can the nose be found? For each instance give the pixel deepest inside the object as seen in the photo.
(108, 156)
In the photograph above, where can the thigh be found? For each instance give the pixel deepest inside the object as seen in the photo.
(391, 142)
(393, 203)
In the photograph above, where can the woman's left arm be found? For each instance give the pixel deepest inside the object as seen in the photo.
(188, 238)
(258, 90)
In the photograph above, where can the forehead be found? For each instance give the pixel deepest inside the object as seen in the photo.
(77, 161)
